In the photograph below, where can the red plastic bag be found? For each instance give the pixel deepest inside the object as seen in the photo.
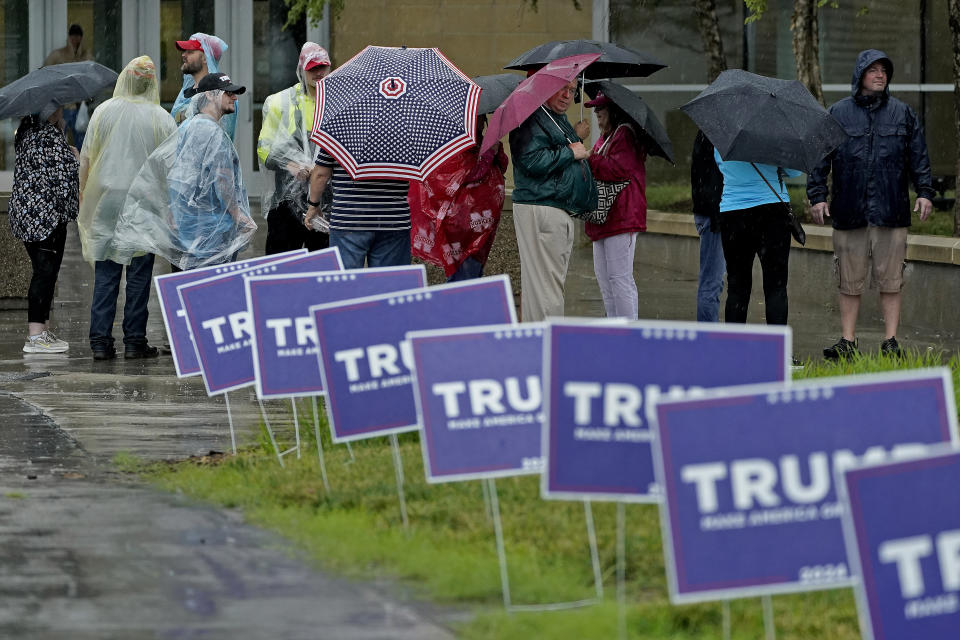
(453, 219)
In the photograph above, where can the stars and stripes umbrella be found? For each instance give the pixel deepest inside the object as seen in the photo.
(395, 113)
(531, 93)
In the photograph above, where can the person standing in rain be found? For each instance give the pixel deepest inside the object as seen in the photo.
(188, 203)
(285, 150)
(618, 155)
(200, 55)
(870, 204)
(74, 51)
(123, 131)
(551, 178)
(44, 199)
(706, 188)
(754, 224)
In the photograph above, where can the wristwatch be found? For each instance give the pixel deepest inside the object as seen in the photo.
(312, 203)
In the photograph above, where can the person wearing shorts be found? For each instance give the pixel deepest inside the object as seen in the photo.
(884, 151)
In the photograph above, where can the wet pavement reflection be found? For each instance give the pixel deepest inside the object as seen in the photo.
(87, 553)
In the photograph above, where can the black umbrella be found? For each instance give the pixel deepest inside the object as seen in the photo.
(615, 61)
(758, 119)
(56, 85)
(652, 133)
(496, 88)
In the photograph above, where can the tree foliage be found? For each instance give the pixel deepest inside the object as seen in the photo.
(311, 9)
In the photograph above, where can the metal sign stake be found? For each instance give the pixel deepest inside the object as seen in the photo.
(621, 572)
(725, 619)
(296, 426)
(768, 627)
(233, 437)
(502, 558)
(316, 432)
(398, 467)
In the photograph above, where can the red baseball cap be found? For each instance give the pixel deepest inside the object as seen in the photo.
(189, 45)
(600, 102)
(317, 63)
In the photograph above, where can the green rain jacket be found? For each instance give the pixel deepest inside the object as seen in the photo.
(544, 171)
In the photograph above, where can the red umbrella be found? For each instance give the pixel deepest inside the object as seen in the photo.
(531, 93)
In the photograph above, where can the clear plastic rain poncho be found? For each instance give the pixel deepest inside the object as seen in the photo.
(185, 108)
(285, 150)
(188, 204)
(123, 131)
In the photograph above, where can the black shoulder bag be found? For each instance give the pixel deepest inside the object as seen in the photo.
(796, 229)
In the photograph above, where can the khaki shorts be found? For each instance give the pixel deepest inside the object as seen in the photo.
(885, 248)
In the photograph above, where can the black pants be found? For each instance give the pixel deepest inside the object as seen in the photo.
(756, 232)
(46, 256)
(285, 232)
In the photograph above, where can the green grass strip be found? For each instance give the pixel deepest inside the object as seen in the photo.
(449, 555)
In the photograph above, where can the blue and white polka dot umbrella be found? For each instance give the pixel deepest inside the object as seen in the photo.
(395, 113)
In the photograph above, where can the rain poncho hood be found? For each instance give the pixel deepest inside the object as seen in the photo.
(188, 204)
(284, 147)
(183, 107)
(864, 60)
(123, 132)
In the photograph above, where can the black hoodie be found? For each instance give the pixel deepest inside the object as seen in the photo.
(884, 151)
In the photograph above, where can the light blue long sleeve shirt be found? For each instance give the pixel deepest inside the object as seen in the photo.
(743, 188)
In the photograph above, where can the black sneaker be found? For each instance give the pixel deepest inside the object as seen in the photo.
(146, 351)
(890, 347)
(104, 353)
(842, 349)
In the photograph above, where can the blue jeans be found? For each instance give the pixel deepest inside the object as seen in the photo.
(712, 268)
(372, 248)
(468, 270)
(70, 117)
(106, 287)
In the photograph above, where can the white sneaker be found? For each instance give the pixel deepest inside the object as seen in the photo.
(54, 339)
(43, 344)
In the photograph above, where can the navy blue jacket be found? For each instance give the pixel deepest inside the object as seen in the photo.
(884, 150)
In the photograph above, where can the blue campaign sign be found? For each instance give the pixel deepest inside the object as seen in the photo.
(219, 321)
(750, 505)
(365, 359)
(175, 318)
(902, 526)
(601, 383)
(479, 400)
(284, 338)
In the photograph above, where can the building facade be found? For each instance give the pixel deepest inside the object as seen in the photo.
(481, 36)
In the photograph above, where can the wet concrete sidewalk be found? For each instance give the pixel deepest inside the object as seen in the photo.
(87, 553)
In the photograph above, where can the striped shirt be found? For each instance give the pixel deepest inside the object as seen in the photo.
(365, 205)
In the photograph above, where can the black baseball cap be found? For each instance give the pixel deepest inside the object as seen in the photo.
(212, 82)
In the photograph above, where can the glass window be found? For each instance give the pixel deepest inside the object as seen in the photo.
(178, 20)
(100, 21)
(14, 63)
(893, 27)
(275, 54)
(666, 30)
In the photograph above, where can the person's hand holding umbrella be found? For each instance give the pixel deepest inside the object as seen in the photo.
(530, 96)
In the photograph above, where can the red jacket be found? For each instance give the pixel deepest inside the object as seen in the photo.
(622, 159)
